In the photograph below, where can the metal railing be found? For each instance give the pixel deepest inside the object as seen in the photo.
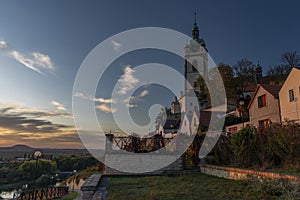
(42, 194)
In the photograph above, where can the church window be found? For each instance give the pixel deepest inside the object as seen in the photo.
(195, 65)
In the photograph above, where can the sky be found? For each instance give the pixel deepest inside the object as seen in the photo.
(43, 44)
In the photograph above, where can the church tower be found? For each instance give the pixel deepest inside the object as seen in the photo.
(196, 59)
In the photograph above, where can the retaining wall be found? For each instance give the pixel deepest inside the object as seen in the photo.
(243, 174)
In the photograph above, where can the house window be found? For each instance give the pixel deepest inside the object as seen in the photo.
(195, 123)
(291, 95)
(184, 122)
(233, 129)
(263, 123)
(262, 101)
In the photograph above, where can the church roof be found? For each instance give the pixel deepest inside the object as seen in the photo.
(196, 38)
(172, 124)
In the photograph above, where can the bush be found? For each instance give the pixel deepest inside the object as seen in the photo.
(244, 147)
(269, 147)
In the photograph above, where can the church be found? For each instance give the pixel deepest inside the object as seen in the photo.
(195, 66)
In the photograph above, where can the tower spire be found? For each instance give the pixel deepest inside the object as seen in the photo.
(195, 30)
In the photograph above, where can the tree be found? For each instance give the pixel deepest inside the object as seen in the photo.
(30, 169)
(290, 59)
(278, 73)
(245, 73)
(219, 77)
(244, 68)
(244, 147)
(227, 75)
(44, 181)
(164, 114)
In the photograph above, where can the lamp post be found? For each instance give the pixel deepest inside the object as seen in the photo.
(37, 155)
(74, 171)
(242, 103)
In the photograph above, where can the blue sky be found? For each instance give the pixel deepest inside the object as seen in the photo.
(53, 37)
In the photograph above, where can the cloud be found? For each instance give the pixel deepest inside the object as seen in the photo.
(116, 45)
(130, 101)
(131, 105)
(106, 108)
(58, 105)
(36, 61)
(100, 100)
(127, 80)
(3, 44)
(27, 122)
(16, 110)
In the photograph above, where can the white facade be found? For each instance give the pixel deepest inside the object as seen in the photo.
(190, 123)
(195, 122)
(185, 126)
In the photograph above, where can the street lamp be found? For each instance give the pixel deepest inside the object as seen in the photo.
(242, 103)
(74, 171)
(37, 155)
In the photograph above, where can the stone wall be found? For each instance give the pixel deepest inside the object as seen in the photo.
(90, 186)
(242, 174)
(134, 160)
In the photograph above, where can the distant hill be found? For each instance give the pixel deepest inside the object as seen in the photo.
(20, 149)
(17, 148)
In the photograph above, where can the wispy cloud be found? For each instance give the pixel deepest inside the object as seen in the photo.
(35, 61)
(3, 44)
(100, 100)
(106, 108)
(17, 110)
(127, 80)
(58, 105)
(116, 45)
(131, 101)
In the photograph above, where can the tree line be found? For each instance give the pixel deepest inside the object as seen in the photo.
(41, 172)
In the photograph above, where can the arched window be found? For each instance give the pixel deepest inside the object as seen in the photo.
(195, 65)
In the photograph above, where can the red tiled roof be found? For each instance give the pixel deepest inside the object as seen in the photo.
(272, 89)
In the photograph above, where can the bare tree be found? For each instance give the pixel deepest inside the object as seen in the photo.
(290, 59)
(245, 73)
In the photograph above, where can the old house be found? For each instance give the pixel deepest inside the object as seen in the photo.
(264, 106)
(289, 97)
